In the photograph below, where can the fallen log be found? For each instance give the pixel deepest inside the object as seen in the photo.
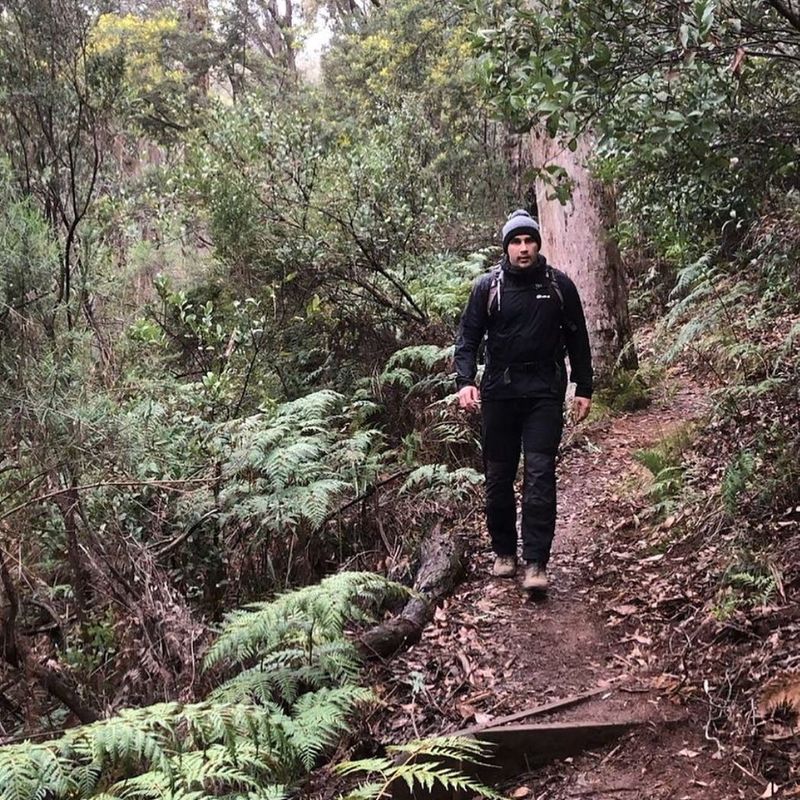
(441, 565)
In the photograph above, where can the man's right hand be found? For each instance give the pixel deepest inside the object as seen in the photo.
(469, 398)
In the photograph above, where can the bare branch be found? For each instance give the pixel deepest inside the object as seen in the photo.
(169, 485)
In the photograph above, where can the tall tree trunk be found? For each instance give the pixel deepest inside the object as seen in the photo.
(196, 16)
(576, 238)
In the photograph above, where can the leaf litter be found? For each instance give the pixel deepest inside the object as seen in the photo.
(631, 607)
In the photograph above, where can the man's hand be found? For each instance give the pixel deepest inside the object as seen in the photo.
(469, 398)
(581, 406)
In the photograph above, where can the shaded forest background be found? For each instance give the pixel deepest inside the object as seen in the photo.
(227, 296)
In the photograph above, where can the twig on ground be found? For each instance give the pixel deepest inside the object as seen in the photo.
(760, 781)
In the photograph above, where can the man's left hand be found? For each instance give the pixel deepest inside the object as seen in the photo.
(581, 406)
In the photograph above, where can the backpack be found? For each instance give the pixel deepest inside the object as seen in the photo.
(496, 290)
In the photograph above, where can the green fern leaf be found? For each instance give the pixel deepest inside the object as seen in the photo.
(314, 615)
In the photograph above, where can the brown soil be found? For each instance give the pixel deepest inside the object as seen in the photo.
(493, 650)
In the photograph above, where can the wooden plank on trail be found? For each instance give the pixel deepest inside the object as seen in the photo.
(517, 749)
(556, 705)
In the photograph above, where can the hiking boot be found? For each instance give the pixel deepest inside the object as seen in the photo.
(535, 579)
(504, 566)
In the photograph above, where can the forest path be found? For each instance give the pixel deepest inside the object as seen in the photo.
(492, 650)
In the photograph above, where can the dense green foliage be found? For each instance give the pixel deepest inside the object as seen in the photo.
(226, 300)
(258, 733)
(253, 738)
(694, 104)
(223, 294)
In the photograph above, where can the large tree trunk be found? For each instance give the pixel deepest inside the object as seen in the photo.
(576, 238)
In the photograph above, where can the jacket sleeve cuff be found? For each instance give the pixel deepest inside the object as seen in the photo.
(583, 391)
(462, 382)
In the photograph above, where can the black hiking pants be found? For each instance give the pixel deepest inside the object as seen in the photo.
(532, 426)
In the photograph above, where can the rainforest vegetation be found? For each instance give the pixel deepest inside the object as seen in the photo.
(229, 284)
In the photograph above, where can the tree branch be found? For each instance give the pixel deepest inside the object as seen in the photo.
(15, 655)
(173, 486)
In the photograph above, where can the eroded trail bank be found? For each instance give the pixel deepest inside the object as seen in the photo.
(492, 650)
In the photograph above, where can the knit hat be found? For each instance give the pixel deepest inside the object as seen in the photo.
(519, 222)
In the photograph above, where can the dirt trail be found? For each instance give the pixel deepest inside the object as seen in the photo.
(492, 650)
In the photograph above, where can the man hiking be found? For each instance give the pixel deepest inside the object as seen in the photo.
(530, 314)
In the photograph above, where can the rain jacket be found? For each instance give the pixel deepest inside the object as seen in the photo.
(527, 336)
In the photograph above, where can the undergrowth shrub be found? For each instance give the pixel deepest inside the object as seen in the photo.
(665, 462)
(737, 479)
(221, 747)
(746, 583)
(258, 734)
(416, 392)
(629, 390)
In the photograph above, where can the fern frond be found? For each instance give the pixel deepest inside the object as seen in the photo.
(276, 792)
(312, 407)
(366, 765)
(166, 750)
(455, 747)
(426, 775)
(317, 499)
(367, 791)
(259, 685)
(699, 271)
(421, 764)
(281, 675)
(437, 481)
(31, 771)
(424, 355)
(399, 376)
(293, 467)
(212, 772)
(321, 717)
(311, 615)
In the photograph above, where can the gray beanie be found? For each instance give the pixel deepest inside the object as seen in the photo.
(520, 221)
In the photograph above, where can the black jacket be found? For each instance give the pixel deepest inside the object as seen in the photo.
(526, 337)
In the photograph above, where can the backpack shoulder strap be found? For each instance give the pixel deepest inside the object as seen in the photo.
(551, 278)
(495, 288)
(565, 320)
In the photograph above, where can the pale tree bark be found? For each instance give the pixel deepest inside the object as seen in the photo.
(195, 13)
(576, 238)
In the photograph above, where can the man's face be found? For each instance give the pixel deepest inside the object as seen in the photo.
(522, 250)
